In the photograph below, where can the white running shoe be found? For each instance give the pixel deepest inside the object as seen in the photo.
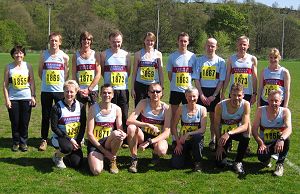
(58, 161)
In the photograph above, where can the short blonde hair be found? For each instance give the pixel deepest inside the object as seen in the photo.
(274, 52)
(71, 82)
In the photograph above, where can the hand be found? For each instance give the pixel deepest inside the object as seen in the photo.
(263, 149)
(75, 144)
(143, 146)
(154, 128)
(223, 139)
(109, 155)
(279, 146)
(8, 104)
(204, 100)
(84, 92)
(219, 152)
(253, 99)
(32, 102)
(178, 148)
(121, 135)
(133, 93)
(210, 99)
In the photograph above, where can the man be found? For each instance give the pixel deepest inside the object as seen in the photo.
(86, 69)
(242, 68)
(232, 120)
(211, 72)
(104, 141)
(53, 71)
(275, 129)
(181, 66)
(116, 67)
(153, 128)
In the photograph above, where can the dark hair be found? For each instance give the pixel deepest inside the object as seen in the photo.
(236, 87)
(106, 86)
(17, 48)
(115, 33)
(85, 34)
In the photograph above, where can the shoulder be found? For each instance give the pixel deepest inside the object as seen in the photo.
(166, 106)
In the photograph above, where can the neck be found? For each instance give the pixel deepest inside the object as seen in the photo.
(154, 103)
(182, 50)
(105, 105)
(149, 49)
(210, 55)
(273, 66)
(191, 106)
(85, 49)
(241, 54)
(53, 51)
(18, 63)
(69, 103)
(115, 50)
(272, 110)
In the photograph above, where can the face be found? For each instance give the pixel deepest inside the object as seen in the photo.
(55, 42)
(211, 47)
(86, 42)
(107, 94)
(149, 42)
(273, 59)
(116, 42)
(18, 56)
(192, 97)
(242, 45)
(236, 98)
(274, 101)
(155, 92)
(70, 93)
(183, 42)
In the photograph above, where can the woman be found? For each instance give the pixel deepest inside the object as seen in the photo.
(147, 69)
(19, 94)
(68, 120)
(189, 139)
(274, 77)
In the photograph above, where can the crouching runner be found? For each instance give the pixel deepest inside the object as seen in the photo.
(232, 120)
(104, 141)
(275, 129)
(189, 139)
(153, 127)
(68, 119)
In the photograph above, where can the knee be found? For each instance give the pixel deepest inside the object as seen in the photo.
(131, 130)
(96, 171)
(161, 148)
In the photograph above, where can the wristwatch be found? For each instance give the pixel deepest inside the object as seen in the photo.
(149, 140)
(281, 138)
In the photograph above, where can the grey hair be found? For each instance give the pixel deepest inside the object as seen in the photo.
(191, 89)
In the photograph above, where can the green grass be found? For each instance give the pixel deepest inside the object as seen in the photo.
(34, 172)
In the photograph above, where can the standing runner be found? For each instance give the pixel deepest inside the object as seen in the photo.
(181, 66)
(116, 67)
(147, 69)
(53, 71)
(211, 72)
(86, 69)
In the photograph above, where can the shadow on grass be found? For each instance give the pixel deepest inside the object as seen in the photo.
(7, 142)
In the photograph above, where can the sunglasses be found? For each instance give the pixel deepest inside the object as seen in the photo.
(155, 91)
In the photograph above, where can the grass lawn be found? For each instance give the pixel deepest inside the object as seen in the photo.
(34, 171)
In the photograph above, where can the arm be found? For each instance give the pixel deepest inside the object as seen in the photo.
(286, 132)
(216, 92)
(5, 88)
(201, 95)
(102, 62)
(134, 72)
(82, 124)
(160, 69)
(32, 85)
(167, 125)
(217, 121)
(128, 63)
(287, 85)
(175, 123)
(74, 67)
(66, 65)
(119, 125)
(245, 121)
(255, 127)
(227, 79)
(132, 119)
(203, 123)
(41, 64)
(55, 115)
(169, 68)
(254, 80)
(260, 88)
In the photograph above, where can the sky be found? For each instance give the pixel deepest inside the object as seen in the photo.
(281, 3)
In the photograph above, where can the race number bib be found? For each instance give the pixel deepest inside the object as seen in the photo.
(72, 129)
(185, 129)
(241, 78)
(268, 88)
(227, 128)
(147, 73)
(101, 132)
(117, 79)
(182, 79)
(19, 81)
(86, 77)
(150, 130)
(209, 72)
(52, 77)
(271, 135)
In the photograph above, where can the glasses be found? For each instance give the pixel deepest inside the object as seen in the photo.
(155, 91)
